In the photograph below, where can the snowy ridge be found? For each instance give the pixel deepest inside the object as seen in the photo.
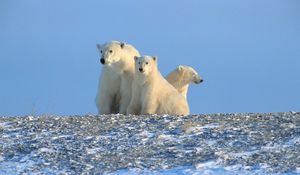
(116, 144)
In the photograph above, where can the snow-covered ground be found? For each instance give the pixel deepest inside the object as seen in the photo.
(117, 144)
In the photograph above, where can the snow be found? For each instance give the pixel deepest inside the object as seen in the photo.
(117, 144)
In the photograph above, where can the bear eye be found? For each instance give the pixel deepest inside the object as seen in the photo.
(110, 51)
(101, 51)
(139, 62)
(146, 62)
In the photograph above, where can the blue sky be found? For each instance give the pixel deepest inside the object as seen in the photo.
(248, 52)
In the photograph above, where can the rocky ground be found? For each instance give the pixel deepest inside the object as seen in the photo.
(266, 143)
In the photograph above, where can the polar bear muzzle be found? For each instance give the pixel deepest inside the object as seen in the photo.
(198, 81)
(102, 60)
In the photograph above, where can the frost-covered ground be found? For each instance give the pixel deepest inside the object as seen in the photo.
(117, 144)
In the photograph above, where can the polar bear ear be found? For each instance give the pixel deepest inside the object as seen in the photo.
(122, 45)
(180, 68)
(98, 46)
(154, 58)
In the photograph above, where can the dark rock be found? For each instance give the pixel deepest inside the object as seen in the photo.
(106, 143)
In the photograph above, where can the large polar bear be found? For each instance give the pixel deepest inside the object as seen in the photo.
(115, 82)
(181, 77)
(108, 93)
(156, 95)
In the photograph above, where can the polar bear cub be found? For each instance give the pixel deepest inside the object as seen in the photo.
(117, 75)
(157, 96)
(181, 77)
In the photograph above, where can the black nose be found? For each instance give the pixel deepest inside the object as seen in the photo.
(141, 69)
(102, 60)
(201, 81)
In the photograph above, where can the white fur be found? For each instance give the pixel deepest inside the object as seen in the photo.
(181, 77)
(108, 93)
(119, 60)
(155, 94)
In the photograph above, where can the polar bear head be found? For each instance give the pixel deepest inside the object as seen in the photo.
(181, 77)
(188, 74)
(145, 64)
(118, 56)
(110, 52)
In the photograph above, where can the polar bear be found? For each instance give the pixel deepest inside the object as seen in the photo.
(108, 91)
(118, 60)
(156, 95)
(181, 77)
